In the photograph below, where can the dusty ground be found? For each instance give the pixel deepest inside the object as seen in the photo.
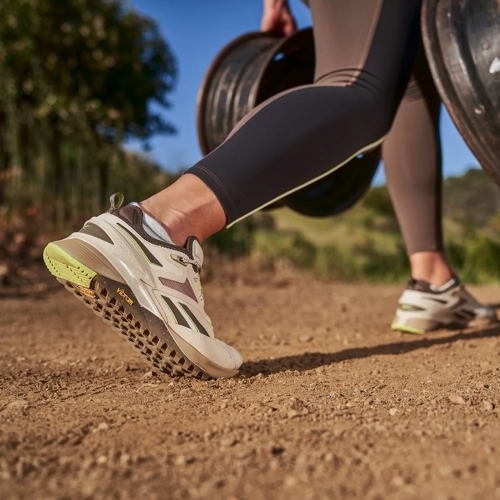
(331, 404)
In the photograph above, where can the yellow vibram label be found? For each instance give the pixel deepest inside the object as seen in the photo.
(86, 291)
(128, 300)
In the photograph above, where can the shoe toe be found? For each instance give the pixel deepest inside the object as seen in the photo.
(486, 312)
(233, 353)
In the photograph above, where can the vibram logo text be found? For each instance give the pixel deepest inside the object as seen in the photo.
(121, 291)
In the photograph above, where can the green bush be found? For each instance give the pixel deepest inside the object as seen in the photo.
(77, 79)
(482, 261)
(236, 241)
(290, 246)
(384, 266)
(378, 200)
(331, 264)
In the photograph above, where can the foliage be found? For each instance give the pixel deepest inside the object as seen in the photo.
(471, 199)
(86, 56)
(78, 77)
(365, 244)
(235, 241)
(378, 200)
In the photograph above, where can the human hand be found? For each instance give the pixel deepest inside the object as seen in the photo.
(277, 18)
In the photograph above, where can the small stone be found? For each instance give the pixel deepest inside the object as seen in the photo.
(455, 398)
(103, 426)
(4, 270)
(228, 442)
(290, 482)
(147, 375)
(445, 470)
(397, 481)
(124, 459)
(305, 338)
(88, 463)
(101, 460)
(487, 405)
(182, 460)
(20, 403)
(292, 414)
(393, 411)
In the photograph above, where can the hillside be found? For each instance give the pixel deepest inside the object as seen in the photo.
(365, 243)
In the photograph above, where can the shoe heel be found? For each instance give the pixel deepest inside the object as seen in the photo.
(62, 265)
(417, 326)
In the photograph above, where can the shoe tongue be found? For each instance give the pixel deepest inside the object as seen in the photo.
(196, 251)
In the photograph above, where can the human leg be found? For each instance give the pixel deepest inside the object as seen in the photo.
(365, 50)
(434, 297)
(149, 288)
(412, 161)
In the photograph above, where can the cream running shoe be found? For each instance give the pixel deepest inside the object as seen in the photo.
(422, 308)
(145, 288)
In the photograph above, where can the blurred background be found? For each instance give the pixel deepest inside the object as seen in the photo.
(99, 96)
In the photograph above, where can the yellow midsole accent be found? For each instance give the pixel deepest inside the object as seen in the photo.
(62, 265)
(408, 329)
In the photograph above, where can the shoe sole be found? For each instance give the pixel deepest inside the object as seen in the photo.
(450, 326)
(408, 329)
(115, 303)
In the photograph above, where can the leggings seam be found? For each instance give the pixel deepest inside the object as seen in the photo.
(367, 48)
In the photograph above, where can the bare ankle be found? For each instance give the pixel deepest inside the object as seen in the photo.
(186, 208)
(431, 267)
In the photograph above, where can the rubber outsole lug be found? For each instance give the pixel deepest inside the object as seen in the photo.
(147, 334)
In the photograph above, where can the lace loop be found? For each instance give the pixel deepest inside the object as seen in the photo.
(115, 202)
(185, 261)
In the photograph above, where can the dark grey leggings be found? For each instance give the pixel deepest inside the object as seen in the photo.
(365, 53)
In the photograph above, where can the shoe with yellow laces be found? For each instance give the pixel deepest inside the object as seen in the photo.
(123, 265)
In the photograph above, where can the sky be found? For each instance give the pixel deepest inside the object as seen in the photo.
(196, 30)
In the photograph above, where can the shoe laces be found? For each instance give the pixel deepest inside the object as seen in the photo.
(185, 261)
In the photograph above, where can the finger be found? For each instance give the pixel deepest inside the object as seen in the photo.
(290, 27)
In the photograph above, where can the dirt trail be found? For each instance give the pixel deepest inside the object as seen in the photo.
(330, 404)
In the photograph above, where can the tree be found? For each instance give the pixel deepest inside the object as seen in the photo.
(76, 79)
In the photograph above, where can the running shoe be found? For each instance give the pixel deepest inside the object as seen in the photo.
(423, 307)
(147, 289)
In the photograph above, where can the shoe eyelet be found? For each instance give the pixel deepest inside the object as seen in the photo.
(179, 259)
